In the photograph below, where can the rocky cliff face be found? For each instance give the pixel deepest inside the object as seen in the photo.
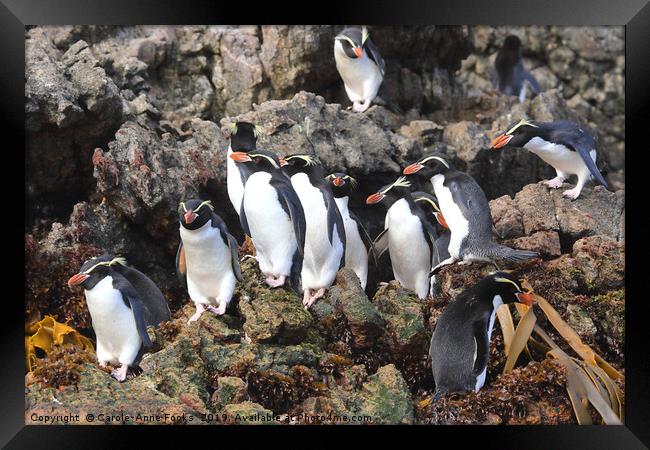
(123, 123)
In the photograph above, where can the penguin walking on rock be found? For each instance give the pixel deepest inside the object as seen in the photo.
(243, 138)
(563, 144)
(467, 213)
(510, 77)
(272, 215)
(357, 241)
(360, 65)
(325, 234)
(207, 258)
(122, 302)
(408, 236)
(460, 343)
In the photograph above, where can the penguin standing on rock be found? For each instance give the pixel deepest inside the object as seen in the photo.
(272, 215)
(357, 241)
(360, 65)
(460, 344)
(325, 235)
(510, 77)
(243, 138)
(564, 145)
(466, 211)
(207, 258)
(122, 302)
(408, 236)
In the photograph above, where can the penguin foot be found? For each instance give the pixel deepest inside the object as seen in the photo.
(220, 311)
(120, 374)
(554, 183)
(309, 299)
(245, 257)
(360, 107)
(103, 364)
(382, 284)
(275, 282)
(572, 194)
(200, 308)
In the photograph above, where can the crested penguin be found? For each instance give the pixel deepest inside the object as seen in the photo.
(408, 236)
(360, 65)
(122, 302)
(510, 77)
(272, 215)
(460, 342)
(243, 138)
(357, 241)
(325, 235)
(467, 213)
(207, 257)
(563, 144)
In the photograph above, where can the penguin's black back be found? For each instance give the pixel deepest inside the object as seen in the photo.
(155, 308)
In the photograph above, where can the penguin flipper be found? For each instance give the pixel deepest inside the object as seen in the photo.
(334, 219)
(365, 237)
(181, 265)
(135, 302)
(243, 220)
(373, 53)
(585, 154)
(380, 243)
(534, 85)
(480, 328)
(290, 200)
(232, 245)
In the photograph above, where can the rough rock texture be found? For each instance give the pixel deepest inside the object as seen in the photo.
(125, 122)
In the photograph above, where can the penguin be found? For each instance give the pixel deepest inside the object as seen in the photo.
(272, 215)
(408, 236)
(509, 76)
(207, 257)
(325, 235)
(360, 65)
(122, 302)
(243, 138)
(460, 342)
(358, 244)
(467, 213)
(565, 145)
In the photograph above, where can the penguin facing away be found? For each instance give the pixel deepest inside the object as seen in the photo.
(272, 215)
(563, 144)
(460, 343)
(467, 212)
(360, 65)
(357, 241)
(325, 233)
(510, 77)
(207, 257)
(408, 236)
(243, 138)
(120, 310)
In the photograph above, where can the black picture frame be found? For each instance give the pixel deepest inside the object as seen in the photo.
(634, 15)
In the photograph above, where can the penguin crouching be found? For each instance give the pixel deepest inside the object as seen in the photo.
(210, 262)
(460, 342)
(325, 240)
(120, 310)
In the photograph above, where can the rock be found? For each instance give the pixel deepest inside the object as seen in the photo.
(229, 390)
(601, 261)
(579, 320)
(466, 138)
(547, 243)
(506, 217)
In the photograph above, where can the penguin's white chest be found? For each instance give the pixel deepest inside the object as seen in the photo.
(356, 254)
(409, 252)
(113, 322)
(458, 224)
(361, 76)
(233, 182)
(321, 258)
(558, 156)
(208, 260)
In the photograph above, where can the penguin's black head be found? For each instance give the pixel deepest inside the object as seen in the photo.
(518, 134)
(429, 165)
(259, 160)
(430, 203)
(243, 136)
(352, 40)
(506, 286)
(193, 214)
(341, 184)
(300, 163)
(94, 270)
(397, 189)
(512, 42)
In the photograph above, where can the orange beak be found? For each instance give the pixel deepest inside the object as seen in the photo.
(77, 279)
(283, 162)
(413, 168)
(441, 219)
(358, 51)
(374, 198)
(525, 297)
(240, 156)
(500, 141)
(190, 216)
(338, 181)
